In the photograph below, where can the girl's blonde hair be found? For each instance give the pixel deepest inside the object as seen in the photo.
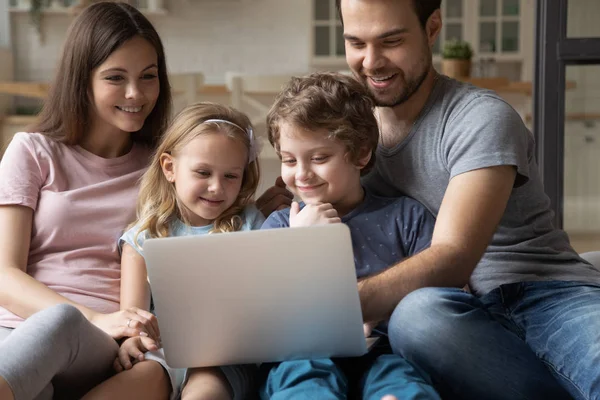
(158, 205)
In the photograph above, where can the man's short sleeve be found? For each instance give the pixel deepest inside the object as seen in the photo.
(487, 132)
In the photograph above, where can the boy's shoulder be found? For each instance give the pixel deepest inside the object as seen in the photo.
(401, 204)
(278, 219)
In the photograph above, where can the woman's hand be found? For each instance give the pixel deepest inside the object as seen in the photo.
(128, 323)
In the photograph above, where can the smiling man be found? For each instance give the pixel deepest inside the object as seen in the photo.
(531, 327)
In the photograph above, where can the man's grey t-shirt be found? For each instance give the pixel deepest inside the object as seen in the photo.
(463, 128)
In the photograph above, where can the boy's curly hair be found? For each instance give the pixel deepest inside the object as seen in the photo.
(328, 101)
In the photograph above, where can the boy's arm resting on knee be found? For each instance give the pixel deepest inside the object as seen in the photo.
(471, 210)
(20, 293)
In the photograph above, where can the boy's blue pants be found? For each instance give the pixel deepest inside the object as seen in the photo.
(368, 377)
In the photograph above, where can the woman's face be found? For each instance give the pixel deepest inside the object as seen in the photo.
(125, 88)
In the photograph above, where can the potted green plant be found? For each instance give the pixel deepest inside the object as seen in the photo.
(35, 12)
(456, 59)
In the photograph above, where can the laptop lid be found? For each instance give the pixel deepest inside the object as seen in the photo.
(256, 296)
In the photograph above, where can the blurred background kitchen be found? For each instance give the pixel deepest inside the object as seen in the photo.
(240, 52)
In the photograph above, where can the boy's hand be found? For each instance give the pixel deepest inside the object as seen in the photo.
(132, 351)
(313, 214)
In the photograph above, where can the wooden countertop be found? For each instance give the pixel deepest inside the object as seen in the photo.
(26, 89)
(29, 119)
(17, 119)
(500, 85)
(503, 85)
(39, 90)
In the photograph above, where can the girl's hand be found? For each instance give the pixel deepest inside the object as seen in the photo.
(313, 214)
(132, 351)
(128, 323)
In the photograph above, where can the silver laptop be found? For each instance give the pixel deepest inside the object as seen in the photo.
(258, 296)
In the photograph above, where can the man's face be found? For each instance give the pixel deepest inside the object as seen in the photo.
(386, 48)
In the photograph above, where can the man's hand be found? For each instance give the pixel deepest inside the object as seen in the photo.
(132, 351)
(313, 214)
(275, 198)
(371, 313)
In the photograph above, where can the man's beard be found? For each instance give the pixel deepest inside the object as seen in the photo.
(410, 88)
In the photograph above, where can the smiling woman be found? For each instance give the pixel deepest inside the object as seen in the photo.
(125, 89)
(67, 191)
(130, 56)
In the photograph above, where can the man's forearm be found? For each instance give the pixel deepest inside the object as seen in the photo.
(437, 266)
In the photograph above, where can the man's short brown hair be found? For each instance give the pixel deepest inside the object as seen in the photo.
(423, 8)
(328, 101)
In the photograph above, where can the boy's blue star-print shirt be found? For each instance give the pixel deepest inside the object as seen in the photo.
(384, 231)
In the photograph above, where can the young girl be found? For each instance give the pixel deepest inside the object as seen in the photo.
(202, 180)
(66, 193)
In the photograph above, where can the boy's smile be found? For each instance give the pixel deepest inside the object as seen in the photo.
(317, 168)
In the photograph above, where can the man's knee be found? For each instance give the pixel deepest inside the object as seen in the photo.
(419, 321)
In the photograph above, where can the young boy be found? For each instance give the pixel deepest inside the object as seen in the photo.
(324, 130)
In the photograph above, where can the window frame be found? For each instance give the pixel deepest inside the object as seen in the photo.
(332, 60)
(470, 23)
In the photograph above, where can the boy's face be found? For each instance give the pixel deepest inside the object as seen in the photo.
(316, 168)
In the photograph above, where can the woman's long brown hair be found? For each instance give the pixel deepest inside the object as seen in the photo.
(94, 35)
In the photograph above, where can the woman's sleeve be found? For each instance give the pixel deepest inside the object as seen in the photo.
(22, 172)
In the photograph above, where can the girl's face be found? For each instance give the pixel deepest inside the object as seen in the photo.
(124, 88)
(207, 174)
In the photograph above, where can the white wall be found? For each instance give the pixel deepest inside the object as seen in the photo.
(6, 57)
(211, 36)
(4, 25)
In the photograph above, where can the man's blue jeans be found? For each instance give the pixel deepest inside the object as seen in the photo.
(528, 340)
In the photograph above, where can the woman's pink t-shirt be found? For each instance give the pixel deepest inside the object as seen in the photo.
(82, 203)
